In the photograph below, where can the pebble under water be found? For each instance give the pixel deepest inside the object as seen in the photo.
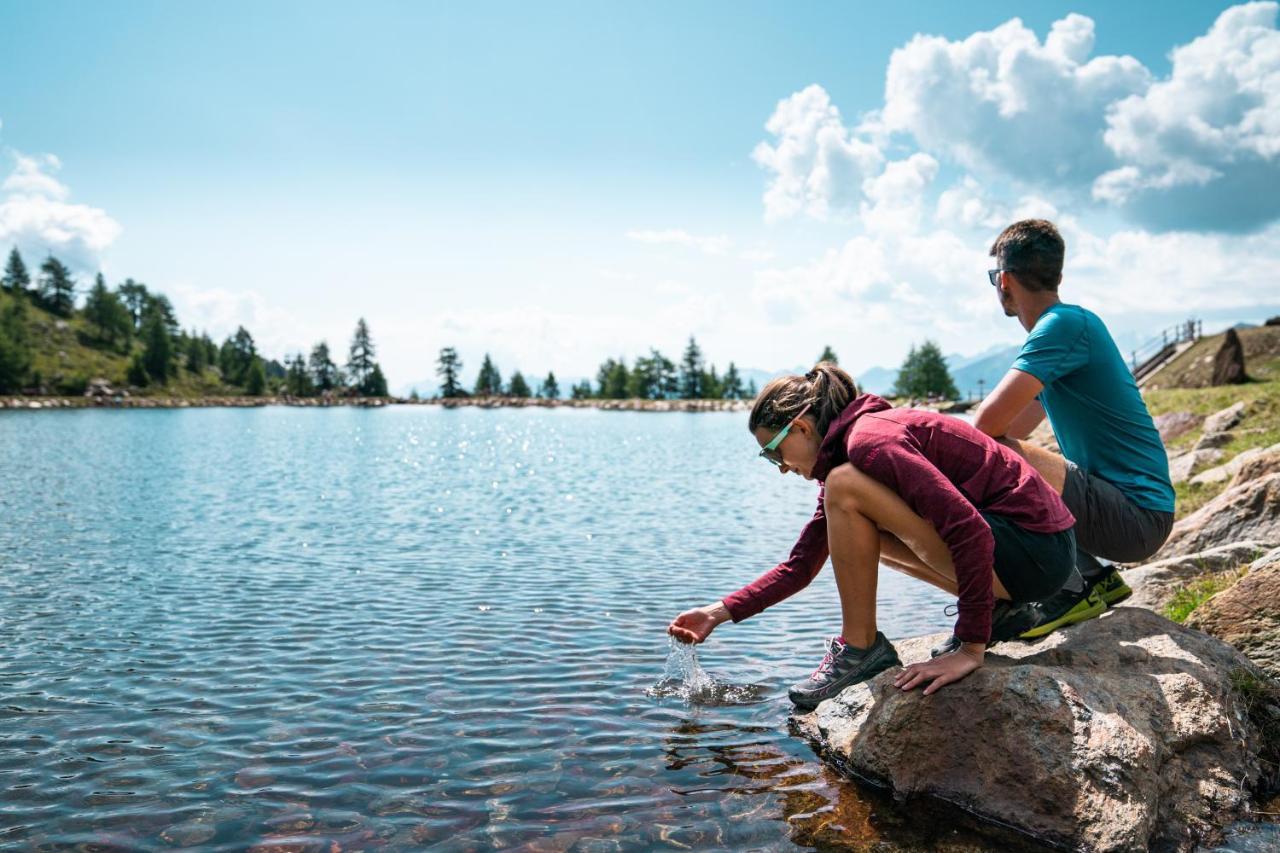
(344, 629)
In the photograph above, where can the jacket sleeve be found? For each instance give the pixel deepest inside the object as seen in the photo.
(788, 577)
(900, 464)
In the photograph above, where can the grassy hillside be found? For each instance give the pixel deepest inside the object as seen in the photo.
(1194, 368)
(65, 355)
(1260, 426)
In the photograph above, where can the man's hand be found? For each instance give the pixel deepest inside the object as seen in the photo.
(694, 626)
(941, 670)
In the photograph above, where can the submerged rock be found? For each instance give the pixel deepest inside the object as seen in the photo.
(1123, 733)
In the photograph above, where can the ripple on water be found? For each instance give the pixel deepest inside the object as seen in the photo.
(229, 628)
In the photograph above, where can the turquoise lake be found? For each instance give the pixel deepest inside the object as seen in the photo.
(409, 627)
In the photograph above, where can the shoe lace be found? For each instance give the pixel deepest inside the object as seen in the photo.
(829, 659)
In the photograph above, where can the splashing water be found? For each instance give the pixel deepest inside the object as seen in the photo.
(685, 678)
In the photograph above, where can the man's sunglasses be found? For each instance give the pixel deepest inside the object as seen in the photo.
(770, 450)
(993, 276)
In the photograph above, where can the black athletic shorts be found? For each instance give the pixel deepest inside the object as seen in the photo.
(1032, 566)
(1108, 524)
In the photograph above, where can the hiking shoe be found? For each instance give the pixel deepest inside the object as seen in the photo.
(842, 666)
(1086, 607)
(1112, 589)
(1008, 622)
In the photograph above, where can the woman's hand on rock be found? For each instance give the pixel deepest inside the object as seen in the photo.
(941, 670)
(694, 626)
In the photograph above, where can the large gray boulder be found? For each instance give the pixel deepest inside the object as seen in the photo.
(1226, 419)
(1182, 466)
(1247, 614)
(1127, 732)
(1154, 584)
(1250, 510)
(1235, 464)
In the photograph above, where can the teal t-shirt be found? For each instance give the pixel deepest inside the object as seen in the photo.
(1093, 404)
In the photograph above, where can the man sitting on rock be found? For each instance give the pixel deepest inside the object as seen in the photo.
(1115, 475)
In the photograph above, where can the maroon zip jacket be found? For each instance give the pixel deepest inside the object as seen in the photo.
(947, 472)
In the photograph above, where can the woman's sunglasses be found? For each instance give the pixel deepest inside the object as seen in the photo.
(770, 450)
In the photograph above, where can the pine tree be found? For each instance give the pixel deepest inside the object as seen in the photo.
(237, 356)
(158, 303)
(137, 372)
(15, 349)
(134, 295)
(324, 373)
(519, 387)
(360, 361)
(256, 381)
(16, 278)
(375, 384)
(448, 366)
(550, 388)
(107, 314)
(691, 371)
(195, 353)
(297, 381)
(613, 379)
(753, 390)
(489, 380)
(157, 355)
(711, 389)
(581, 391)
(57, 287)
(828, 354)
(924, 374)
(731, 383)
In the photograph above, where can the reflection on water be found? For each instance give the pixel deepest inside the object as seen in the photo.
(349, 629)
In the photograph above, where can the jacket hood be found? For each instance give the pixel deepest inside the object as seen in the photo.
(833, 451)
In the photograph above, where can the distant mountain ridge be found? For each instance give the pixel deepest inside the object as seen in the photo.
(974, 375)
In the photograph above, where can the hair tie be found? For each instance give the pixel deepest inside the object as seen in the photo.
(811, 375)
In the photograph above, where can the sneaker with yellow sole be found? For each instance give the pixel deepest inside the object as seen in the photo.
(1085, 608)
(1112, 589)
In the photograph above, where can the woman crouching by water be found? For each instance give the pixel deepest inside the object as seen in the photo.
(926, 494)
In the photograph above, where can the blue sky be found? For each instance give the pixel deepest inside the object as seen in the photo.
(557, 183)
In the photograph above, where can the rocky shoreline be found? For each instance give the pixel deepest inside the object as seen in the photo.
(1125, 732)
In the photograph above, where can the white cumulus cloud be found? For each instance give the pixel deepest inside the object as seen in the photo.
(818, 164)
(1202, 148)
(37, 219)
(1003, 102)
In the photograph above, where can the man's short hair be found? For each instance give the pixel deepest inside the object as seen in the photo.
(1033, 250)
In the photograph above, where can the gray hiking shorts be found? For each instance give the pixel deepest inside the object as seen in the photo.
(1108, 524)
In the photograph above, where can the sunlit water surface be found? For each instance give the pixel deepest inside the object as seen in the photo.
(348, 629)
